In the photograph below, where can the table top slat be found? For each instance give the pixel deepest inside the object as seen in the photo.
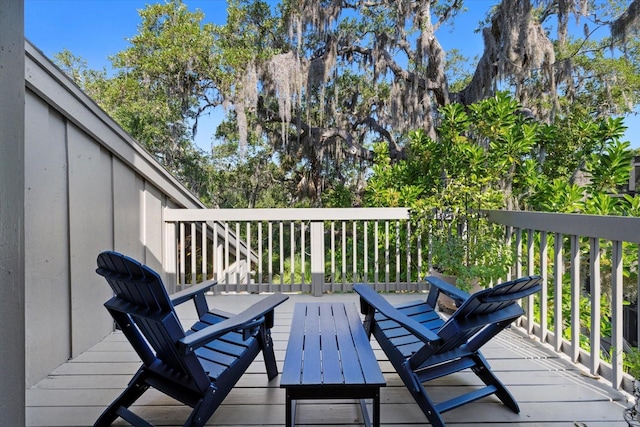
(331, 363)
(369, 363)
(312, 363)
(348, 352)
(292, 371)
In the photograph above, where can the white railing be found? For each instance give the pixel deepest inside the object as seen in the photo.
(582, 258)
(327, 250)
(295, 250)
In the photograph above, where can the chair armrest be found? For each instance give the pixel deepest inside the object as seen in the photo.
(189, 293)
(249, 318)
(458, 295)
(375, 300)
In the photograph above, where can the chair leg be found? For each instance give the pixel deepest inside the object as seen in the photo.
(266, 344)
(420, 396)
(204, 409)
(136, 388)
(483, 371)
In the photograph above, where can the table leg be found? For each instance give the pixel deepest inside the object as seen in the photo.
(375, 421)
(376, 409)
(365, 413)
(290, 408)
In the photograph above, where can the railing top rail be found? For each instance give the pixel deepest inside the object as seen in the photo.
(287, 214)
(617, 228)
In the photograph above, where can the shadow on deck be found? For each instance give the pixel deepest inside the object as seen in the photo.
(550, 390)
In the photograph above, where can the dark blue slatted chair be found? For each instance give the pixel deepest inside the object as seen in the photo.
(197, 367)
(422, 346)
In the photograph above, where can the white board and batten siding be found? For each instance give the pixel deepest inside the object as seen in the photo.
(89, 187)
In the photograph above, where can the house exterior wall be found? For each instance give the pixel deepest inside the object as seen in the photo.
(89, 187)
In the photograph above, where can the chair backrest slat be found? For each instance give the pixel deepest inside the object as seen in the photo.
(485, 308)
(141, 296)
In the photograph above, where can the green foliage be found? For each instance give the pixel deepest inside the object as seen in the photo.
(631, 362)
(367, 86)
(161, 78)
(157, 89)
(604, 83)
(248, 180)
(170, 74)
(449, 182)
(295, 276)
(609, 170)
(489, 156)
(339, 196)
(559, 196)
(457, 70)
(584, 324)
(250, 34)
(91, 81)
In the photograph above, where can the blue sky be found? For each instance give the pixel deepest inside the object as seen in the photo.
(97, 29)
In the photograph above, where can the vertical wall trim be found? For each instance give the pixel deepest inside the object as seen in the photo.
(113, 200)
(12, 214)
(143, 219)
(69, 240)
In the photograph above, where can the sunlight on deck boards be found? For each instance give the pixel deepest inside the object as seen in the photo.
(551, 392)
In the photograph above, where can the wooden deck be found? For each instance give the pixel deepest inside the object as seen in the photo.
(551, 391)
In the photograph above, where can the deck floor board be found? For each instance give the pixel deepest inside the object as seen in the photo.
(551, 391)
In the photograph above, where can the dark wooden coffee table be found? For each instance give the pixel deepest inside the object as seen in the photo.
(329, 357)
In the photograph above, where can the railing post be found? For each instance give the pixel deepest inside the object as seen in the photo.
(219, 262)
(595, 286)
(575, 298)
(530, 272)
(617, 341)
(170, 261)
(558, 272)
(317, 257)
(544, 272)
(571, 228)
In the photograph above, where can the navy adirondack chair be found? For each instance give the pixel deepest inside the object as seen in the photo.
(197, 367)
(423, 346)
